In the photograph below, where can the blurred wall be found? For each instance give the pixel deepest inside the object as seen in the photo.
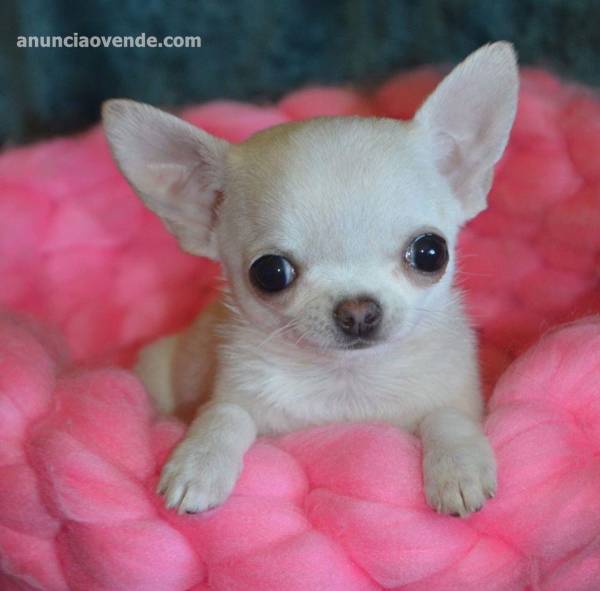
(258, 49)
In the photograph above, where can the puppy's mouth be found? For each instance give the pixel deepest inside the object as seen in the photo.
(358, 343)
(341, 345)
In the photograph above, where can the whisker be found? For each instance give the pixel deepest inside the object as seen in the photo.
(279, 331)
(472, 274)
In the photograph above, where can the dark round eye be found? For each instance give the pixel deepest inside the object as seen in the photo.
(427, 253)
(272, 273)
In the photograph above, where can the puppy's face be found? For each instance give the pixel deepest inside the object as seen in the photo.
(334, 233)
(337, 232)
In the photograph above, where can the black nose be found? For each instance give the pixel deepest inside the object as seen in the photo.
(358, 317)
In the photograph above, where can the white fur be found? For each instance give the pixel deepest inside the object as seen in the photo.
(341, 198)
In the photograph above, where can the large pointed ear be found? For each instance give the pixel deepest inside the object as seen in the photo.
(176, 168)
(468, 120)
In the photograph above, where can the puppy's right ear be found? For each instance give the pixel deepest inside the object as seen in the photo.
(176, 168)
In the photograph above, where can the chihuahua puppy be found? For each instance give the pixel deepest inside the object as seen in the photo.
(336, 237)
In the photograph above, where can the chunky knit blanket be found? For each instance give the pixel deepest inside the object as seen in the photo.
(338, 507)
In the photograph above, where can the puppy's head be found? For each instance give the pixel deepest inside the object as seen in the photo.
(336, 233)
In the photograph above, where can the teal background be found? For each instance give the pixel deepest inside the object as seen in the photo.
(257, 50)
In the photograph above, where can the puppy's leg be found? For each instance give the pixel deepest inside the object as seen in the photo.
(178, 371)
(204, 467)
(154, 369)
(459, 468)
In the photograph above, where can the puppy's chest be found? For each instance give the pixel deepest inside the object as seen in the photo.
(294, 396)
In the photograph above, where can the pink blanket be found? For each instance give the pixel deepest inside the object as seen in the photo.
(334, 508)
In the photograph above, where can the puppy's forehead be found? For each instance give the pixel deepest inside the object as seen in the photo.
(337, 183)
(326, 150)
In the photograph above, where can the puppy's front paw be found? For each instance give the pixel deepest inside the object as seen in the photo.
(459, 480)
(198, 477)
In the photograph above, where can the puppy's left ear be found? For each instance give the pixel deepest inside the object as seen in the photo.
(468, 120)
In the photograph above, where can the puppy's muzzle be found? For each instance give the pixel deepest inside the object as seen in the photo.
(358, 317)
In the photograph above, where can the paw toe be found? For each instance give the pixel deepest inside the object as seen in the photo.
(456, 485)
